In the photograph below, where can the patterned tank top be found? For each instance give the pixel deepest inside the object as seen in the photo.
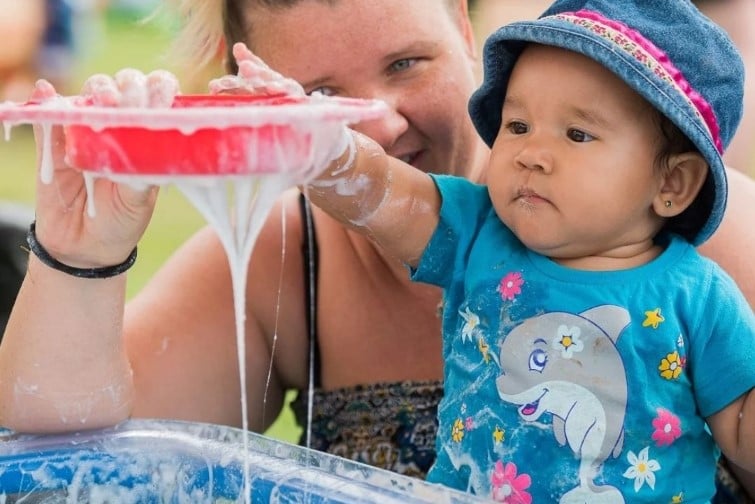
(392, 426)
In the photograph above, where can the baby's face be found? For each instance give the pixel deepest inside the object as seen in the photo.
(572, 168)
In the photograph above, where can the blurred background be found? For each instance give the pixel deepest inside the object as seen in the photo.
(66, 41)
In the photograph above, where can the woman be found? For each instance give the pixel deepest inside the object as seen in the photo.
(373, 326)
(379, 366)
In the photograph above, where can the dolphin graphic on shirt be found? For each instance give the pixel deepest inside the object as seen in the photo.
(567, 365)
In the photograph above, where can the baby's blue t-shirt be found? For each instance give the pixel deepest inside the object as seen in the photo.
(562, 383)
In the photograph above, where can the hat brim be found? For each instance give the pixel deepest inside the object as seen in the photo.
(503, 48)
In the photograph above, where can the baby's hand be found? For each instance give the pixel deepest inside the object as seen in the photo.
(132, 88)
(254, 77)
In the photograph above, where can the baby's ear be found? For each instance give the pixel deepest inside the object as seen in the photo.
(683, 177)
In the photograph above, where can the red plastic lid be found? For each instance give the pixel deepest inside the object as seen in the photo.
(198, 135)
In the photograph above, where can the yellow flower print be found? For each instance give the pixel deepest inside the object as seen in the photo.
(484, 349)
(498, 435)
(653, 318)
(457, 432)
(671, 366)
(678, 499)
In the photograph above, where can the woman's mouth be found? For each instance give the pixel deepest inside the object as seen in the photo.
(411, 158)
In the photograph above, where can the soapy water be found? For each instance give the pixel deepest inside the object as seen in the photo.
(257, 150)
(149, 461)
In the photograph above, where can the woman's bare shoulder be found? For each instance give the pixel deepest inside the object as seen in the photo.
(732, 244)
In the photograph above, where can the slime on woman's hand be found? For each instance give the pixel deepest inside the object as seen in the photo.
(131, 88)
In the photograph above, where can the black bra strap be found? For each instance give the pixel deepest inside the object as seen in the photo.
(311, 263)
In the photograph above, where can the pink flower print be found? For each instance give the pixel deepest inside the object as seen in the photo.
(511, 285)
(469, 423)
(508, 487)
(667, 428)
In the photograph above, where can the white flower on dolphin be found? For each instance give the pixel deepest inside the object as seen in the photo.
(568, 341)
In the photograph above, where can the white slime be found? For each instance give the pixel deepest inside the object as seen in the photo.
(236, 206)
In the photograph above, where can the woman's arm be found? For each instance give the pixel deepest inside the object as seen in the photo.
(62, 362)
(733, 243)
(734, 431)
(731, 246)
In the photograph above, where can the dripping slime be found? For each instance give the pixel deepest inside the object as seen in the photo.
(231, 162)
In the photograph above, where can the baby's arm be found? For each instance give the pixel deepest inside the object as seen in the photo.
(378, 195)
(734, 430)
(364, 188)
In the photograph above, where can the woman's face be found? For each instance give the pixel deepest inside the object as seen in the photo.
(415, 55)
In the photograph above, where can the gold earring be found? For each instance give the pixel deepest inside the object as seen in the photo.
(668, 203)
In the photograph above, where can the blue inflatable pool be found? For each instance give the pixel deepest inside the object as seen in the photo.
(145, 461)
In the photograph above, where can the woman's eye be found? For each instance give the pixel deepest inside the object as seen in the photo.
(579, 136)
(323, 90)
(402, 64)
(517, 127)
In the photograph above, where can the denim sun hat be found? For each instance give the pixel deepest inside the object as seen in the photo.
(666, 50)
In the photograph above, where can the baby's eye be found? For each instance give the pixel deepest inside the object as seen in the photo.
(403, 64)
(517, 127)
(579, 135)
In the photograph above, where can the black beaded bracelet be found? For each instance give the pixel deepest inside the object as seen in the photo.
(104, 272)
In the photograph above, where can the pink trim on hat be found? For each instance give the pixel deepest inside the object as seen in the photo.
(644, 51)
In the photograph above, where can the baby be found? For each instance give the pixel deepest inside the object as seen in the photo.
(591, 354)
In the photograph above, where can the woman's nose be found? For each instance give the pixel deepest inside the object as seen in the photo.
(387, 129)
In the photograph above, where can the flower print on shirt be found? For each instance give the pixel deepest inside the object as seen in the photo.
(667, 428)
(498, 435)
(469, 423)
(568, 341)
(508, 486)
(642, 469)
(671, 366)
(511, 285)
(471, 322)
(484, 349)
(457, 431)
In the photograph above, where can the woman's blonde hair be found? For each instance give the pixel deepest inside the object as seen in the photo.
(201, 33)
(211, 26)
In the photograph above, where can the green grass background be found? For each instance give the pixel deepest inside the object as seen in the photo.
(120, 40)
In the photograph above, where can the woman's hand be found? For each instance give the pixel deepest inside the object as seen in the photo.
(64, 226)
